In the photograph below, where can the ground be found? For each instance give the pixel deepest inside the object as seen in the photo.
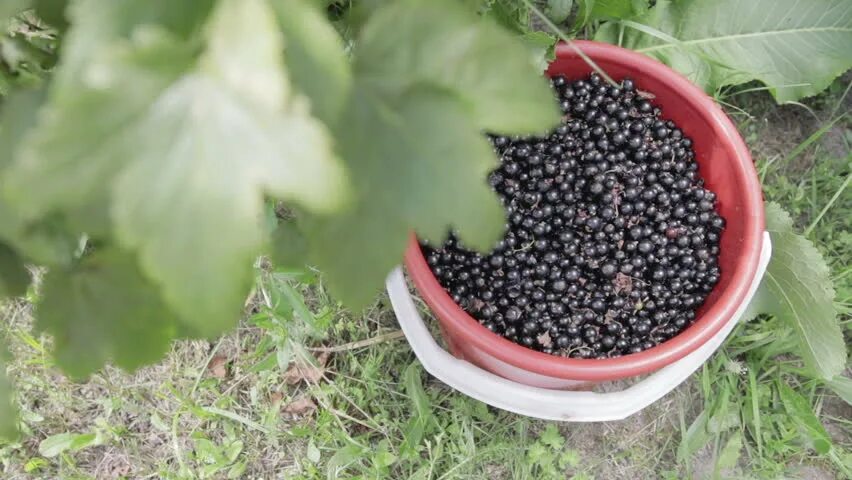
(362, 408)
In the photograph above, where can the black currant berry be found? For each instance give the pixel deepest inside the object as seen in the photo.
(612, 240)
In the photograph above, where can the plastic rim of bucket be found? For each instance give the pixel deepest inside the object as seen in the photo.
(738, 195)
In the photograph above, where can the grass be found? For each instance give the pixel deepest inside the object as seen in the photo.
(259, 403)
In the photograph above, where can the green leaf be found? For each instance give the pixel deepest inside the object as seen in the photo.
(842, 386)
(558, 10)
(104, 309)
(52, 12)
(430, 76)
(569, 458)
(383, 459)
(314, 57)
(341, 459)
(730, 454)
(440, 183)
(607, 9)
(111, 41)
(232, 121)
(552, 437)
(800, 411)
(289, 245)
(43, 241)
(509, 14)
(313, 453)
(8, 412)
(694, 438)
(584, 14)
(797, 289)
(441, 43)
(69, 162)
(796, 48)
(237, 470)
(233, 450)
(284, 355)
(415, 392)
(422, 412)
(10, 8)
(66, 442)
(268, 363)
(542, 46)
(193, 150)
(55, 444)
(14, 276)
(102, 27)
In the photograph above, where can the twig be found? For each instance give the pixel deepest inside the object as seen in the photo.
(360, 343)
(570, 43)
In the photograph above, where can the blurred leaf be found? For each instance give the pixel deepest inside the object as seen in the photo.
(811, 429)
(558, 10)
(284, 355)
(730, 454)
(43, 241)
(8, 412)
(695, 437)
(552, 437)
(313, 454)
(796, 48)
(569, 458)
(542, 45)
(341, 459)
(104, 309)
(440, 43)
(14, 276)
(509, 14)
(35, 464)
(237, 470)
(268, 363)
(10, 8)
(422, 413)
(313, 54)
(233, 450)
(52, 12)
(584, 13)
(289, 245)
(174, 157)
(618, 9)
(432, 131)
(66, 442)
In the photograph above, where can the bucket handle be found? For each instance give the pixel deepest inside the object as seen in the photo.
(570, 406)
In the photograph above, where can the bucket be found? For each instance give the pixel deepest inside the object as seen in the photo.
(506, 375)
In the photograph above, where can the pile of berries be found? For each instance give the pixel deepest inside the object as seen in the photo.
(612, 241)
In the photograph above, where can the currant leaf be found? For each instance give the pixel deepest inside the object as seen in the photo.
(442, 43)
(102, 309)
(236, 132)
(44, 241)
(420, 164)
(314, 56)
(8, 412)
(187, 160)
(429, 77)
(14, 276)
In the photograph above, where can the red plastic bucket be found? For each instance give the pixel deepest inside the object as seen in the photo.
(727, 168)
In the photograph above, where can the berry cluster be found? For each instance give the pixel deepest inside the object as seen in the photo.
(612, 242)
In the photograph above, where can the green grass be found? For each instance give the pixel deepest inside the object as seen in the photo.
(229, 409)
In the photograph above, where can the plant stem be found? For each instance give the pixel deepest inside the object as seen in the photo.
(552, 26)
